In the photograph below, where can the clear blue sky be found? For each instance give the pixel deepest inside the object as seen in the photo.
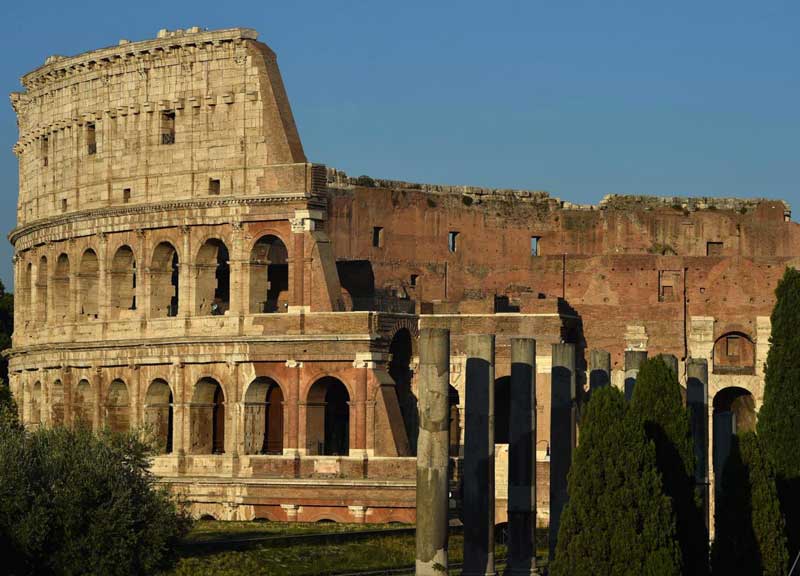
(578, 98)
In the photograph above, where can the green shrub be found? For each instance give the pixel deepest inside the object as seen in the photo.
(750, 537)
(617, 520)
(75, 503)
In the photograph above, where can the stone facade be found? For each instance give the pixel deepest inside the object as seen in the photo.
(179, 265)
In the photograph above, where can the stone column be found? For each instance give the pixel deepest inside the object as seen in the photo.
(522, 459)
(99, 395)
(237, 263)
(697, 401)
(293, 447)
(432, 452)
(362, 362)
(179, 417)
(297, 256)
(633, 361)
(562, 432)
(478, 505)
(599, 369)
(185, 272)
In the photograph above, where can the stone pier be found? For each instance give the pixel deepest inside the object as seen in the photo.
(633, 362)
(478, 503)
(562, 432)
(599, 369)
(433, 446)
(672, 362)
(522, 459)
(697, 402)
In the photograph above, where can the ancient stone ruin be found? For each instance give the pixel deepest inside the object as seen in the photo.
(180, 265)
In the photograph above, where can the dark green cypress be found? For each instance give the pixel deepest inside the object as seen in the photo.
(617, 521)
(779, 418)
(750, 537)
(658, 407)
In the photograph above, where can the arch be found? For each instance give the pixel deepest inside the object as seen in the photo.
(400, 350)
(118, 415)
(269, 275)
(88, 284)
(502, 409)
(83, 405)
(41, 291)
(57, 403)
(263, 417)
(734, 353)
(61, 288)
(733, 412)
(158, 414)
(164, 281)
(328, 418)
(35, 418)
(207, 418)
(455, 420)
(212, 283)
(123, 282)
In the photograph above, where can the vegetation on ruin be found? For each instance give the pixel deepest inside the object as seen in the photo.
(779, 418)
(6, 327)
(657, 406)
(750, 537)
(72, 502)
(618, 520)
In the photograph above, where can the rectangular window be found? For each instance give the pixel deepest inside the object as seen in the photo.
(732, 346)
(714, 249)
(45, 150)
(214, 187)
(63, 204)
(377, 237)
(451, 241)
(91, 139)
(535, 245)
(168, 127)
(126, 195)
(414, 279)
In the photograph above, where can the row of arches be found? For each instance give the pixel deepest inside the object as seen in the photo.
(327, 414)
(47, 295)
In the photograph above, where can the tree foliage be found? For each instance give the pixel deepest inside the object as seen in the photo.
(75, 503)
(750, 537)
(617, 520)
(659, 409)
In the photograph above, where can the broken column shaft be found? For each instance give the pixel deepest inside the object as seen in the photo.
(599, 369)
(697, 402)
(433, 446)
(562, 432)
(522, 459)
(633, 362)
(478, 502)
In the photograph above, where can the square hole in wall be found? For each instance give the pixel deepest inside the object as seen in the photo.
(452, 240)
(713, 248)
(413, 279)
(535, 245)
(126, 195)
(63, 204)
(214, 186)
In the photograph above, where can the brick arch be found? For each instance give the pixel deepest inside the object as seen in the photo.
(734, 352)
(159, 400)
(212, 286)
(268, 274)
(328, 417)
(208, 416)
(264, 416)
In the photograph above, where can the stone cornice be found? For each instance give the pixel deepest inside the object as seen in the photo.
(160, 207)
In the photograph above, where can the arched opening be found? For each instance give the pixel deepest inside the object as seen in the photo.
(57, 403)
(455, 420)
(88, 283)
(502, 408)
(269, 276)
(328, 418)
(207, 418)
(83, 406)
(734, 412)
(263, 417)
(164, 278)
(212, 289)
(734, 353)
(41, 291)
(158, 415)
(35, 418)
(123, 282)
(118, 415)
(61, 289)
(400, 371)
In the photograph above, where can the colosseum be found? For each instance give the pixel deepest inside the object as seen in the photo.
(179, 265)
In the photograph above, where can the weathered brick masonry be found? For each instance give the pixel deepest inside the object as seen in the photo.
(180, 265)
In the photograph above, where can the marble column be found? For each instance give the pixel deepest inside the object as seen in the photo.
(562, 432)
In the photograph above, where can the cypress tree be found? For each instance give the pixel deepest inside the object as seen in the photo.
(779, 418)
(658, 407)
(617, 520)
(750, 537)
